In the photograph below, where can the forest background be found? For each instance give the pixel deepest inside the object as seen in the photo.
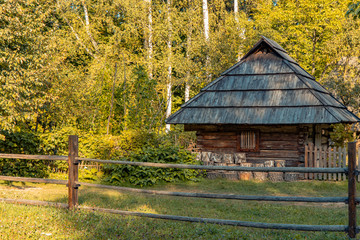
(111, 71)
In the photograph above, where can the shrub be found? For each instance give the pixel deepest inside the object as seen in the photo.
(146, 176)
(110, 147)
(21, 143)
(342, 134)
(93, 145)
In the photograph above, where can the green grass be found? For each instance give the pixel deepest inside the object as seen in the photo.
(32, 222)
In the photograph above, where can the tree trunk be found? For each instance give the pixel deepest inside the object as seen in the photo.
(240, 31)
(124, 94)
(187, 89)
(313, 53)
(150, 37)
(169, 84)
(206, 20)
(188, 75)
(236, 10)
(87, 26)
(207, 37)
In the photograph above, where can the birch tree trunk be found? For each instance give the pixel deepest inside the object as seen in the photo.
(79, 40)
(188, 47)
(241, 31)
(169, 84)
(236, 14)
(150, 39)
(206, 35)
(188, 75)
(206, 20)
(87, 26)
(236, 10)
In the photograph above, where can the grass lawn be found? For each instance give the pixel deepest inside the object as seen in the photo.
(33, 222)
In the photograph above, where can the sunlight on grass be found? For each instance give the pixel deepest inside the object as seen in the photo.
(144, 208)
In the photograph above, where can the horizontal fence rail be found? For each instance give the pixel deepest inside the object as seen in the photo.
(35, 202)
(33, 157)
(73, 185)
(298, 227)
(34, 180)
(224, 196)
(332, 228)
(226, 168)
(182, 166)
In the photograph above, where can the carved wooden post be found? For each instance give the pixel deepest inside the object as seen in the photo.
(73, 171)
(352, 189)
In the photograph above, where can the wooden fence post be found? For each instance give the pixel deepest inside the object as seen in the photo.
(306, 160)
(352, 188)
(73, 171)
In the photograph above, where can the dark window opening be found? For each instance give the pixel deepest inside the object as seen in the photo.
(248, 141)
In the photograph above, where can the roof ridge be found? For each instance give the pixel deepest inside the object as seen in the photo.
(202, 91)
(337, 100)
(270, 42)
(325, 106)
(274, 46)
(327, 91)
(212, 83)
(192, 99)
(296, 71)
(312, 81)
(174, 115)
(233, 66)
(351, 112)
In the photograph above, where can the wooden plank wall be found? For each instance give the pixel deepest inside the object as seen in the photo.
(276, 142)
(217, 141)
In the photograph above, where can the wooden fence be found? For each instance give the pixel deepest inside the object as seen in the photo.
(73, 184)
(327, 157)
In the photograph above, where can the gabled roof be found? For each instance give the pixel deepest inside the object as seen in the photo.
(266, 86)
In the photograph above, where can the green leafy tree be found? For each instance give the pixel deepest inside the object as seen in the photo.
(26, 31)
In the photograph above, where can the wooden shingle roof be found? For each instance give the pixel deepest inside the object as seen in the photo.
(266, 86)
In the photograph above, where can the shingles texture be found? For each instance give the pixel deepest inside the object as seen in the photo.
(266, 87)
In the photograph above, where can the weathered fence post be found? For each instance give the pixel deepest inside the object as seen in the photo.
(352, 188)
(73, 171)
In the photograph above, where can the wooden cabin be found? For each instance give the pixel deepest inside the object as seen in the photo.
(265, 107)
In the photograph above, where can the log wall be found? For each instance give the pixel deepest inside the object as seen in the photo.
(276, 142)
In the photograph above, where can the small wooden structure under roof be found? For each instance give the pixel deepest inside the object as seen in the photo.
(266, 106)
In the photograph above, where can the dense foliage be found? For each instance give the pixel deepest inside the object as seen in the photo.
(25, 143)
(146, 176)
